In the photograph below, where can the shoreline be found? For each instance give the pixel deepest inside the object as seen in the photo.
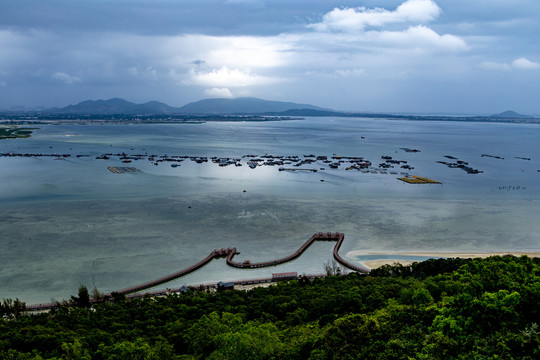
(246, 285)
(373, 264)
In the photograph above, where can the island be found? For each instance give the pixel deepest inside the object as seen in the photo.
(14, 132)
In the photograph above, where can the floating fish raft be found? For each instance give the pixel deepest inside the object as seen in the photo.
(418, 180)
(122, 169)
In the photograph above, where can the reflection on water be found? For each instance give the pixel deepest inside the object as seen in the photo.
(69, 222)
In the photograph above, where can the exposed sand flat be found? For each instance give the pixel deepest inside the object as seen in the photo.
(474, 255)
(373, 264)
(252, 286)
(452, 254)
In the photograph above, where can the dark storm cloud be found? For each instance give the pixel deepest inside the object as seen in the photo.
(165, 17)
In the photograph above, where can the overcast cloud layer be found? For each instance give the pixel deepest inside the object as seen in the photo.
(442, 56)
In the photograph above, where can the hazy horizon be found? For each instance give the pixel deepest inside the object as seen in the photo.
(412, 113)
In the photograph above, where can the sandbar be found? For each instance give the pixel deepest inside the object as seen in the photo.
(373, 264)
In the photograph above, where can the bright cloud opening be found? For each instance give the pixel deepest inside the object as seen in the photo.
(219, 93)
(225, 78)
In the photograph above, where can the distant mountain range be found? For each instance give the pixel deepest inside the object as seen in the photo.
(243, 106)
(114, 106)
(202, 107)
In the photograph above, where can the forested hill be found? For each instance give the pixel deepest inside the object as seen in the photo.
(437, 309)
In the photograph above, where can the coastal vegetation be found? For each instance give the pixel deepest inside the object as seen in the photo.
(436, 309)
(14, 132)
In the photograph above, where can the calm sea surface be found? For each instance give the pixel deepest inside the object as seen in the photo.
(69, 222)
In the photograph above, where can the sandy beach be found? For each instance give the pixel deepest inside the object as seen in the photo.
(373, 264)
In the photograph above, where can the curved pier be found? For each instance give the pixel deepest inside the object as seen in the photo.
(339, 237)
(229, 253)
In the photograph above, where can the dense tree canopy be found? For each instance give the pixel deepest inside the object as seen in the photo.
(437, 309)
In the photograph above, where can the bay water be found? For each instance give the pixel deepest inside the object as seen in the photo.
(71, 222)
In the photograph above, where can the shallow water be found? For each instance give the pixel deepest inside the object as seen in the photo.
(69, 222)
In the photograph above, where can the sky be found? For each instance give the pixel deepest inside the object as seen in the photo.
(408, 56)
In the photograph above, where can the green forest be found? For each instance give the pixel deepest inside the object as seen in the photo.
(436, 309)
